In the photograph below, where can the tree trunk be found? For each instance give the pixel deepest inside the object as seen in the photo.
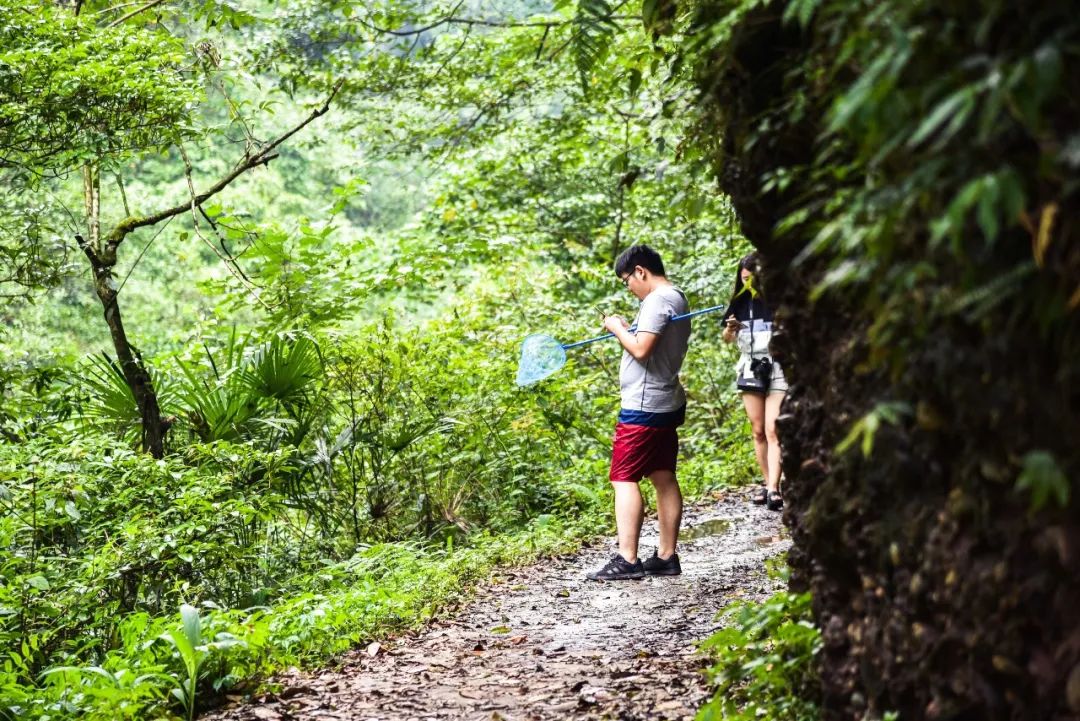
(136, 375)
(102, 256)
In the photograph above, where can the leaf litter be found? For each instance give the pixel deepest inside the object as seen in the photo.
(553, 645)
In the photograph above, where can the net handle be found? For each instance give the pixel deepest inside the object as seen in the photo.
(684, 316)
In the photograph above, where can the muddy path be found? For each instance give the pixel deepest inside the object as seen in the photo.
(545, 643)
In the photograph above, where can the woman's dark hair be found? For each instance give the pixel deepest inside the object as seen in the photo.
(637, 255)
(752, 263)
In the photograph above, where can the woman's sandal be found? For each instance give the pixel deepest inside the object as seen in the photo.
(774, 501)
(759, 496)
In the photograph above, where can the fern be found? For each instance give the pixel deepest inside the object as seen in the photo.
(593, 31)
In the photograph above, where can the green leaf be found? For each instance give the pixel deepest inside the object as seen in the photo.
(189, 615)
(619, 163)
(956, 108)
(864, 430)
(1048, 67)
(39, 582)
(802, 10)
(1044, 480)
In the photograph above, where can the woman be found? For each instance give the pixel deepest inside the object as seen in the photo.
(749, 322)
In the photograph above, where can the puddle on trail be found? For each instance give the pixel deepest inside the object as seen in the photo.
(715, 527)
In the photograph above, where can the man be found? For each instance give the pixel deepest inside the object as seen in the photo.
(653, 405)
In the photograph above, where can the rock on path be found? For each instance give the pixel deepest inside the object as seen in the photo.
(545, 643)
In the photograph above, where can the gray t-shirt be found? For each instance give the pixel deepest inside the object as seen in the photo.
(654, 386)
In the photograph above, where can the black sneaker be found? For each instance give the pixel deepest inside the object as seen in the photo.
(618, 569)
(775, 501)
(657, 566)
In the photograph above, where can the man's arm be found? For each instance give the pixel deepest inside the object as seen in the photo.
(640, 346)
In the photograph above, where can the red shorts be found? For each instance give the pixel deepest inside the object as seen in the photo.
(637, 451)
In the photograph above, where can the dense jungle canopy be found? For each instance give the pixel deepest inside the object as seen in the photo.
(265, 266)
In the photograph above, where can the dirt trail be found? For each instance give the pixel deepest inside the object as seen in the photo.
(544, 643)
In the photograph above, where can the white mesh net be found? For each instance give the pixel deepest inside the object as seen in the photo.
(541, 356)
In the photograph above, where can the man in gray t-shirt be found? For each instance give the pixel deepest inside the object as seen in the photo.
(652, 384)
(646, 442)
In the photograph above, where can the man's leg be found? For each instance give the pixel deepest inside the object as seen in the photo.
(669, 509)
(629, 514)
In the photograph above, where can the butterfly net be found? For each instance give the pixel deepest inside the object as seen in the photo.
(541, 355)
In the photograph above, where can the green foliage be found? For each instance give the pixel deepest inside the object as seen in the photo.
(764, 661)
(193, 651)
(71, 92)
(865, 429)
(347, 452)
(592, 36)
(1044, 480)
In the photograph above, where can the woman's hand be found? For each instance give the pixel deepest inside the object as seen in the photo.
(731, 329)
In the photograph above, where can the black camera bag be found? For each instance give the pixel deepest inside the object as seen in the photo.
(755, 378)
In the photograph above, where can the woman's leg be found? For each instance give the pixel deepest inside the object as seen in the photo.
(772, 411)
(754, 404)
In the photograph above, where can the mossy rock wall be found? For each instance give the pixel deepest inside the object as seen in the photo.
(942, 545)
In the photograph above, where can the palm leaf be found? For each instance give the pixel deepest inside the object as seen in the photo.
(284, 369)
(111, 399)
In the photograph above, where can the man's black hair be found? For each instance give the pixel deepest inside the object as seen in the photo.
(637, 255)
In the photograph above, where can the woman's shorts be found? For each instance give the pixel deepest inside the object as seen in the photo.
(777, 383)
(638, 451)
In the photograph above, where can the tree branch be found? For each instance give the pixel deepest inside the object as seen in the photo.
(95, 263)
(102, 11)
(249, 161)
(140, 256)
(136, 11)
(230, 266)
(123, 193)
(417, 31)
(451, 20)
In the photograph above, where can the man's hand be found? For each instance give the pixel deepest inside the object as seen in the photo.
(613, 324)
(639, 345)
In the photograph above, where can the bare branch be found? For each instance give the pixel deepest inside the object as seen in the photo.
(102, 11)
(234, 271)
(451, 20)
(540, 47)
(123, 193)
(141, 254)
(431, 80)
(416, 31)
(136, 11)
